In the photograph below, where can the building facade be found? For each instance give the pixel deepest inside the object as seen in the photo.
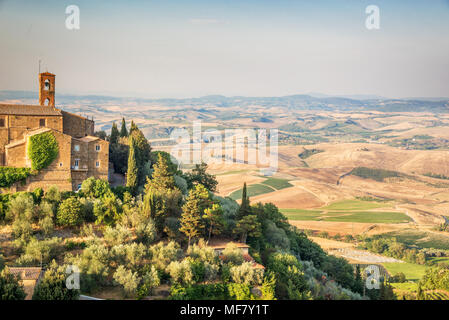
(81, 154)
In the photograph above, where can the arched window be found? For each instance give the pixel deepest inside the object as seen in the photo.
(47, 102)
(47, 84)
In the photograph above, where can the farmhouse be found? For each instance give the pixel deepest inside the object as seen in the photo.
(220, 244)
(29, 278)
(79, 154)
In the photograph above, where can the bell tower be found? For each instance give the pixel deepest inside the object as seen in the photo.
(47, 89)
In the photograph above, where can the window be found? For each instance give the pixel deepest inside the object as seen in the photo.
(41, 122)
(2, 122)
(77, 147)
(47, 85)
(97, 164)
(77, 163)
(60, 164)
(97, 147)
(79, 187)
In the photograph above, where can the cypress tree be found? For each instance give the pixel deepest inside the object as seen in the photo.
(245, 208)
(114, 134)
(123, 130)
(132, 173)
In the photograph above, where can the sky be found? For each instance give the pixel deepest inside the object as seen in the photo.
(175, 49)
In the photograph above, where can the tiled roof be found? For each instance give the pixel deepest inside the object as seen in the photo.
(222, 243)
(29, 110)
(30, 273)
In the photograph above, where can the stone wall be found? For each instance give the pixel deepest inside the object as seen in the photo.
(77, 126)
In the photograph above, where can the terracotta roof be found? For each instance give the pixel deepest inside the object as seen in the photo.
(29, 110)
(222, 243)
(29, 273)
(88, 138)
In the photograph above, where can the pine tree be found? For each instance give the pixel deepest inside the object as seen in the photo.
(245, 208)
(132, 173)
(123, 130)
(161, 179)
(191, 223)
(113, 139)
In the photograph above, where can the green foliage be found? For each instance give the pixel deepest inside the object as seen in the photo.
(309, 152)
(132, 173)
(53, 285)
(193, 209)
(95, 188)
(246, 274)
(291, 282)
(198, 175)
(161, 254)
(128, 279)
(42, 150)
(375, 174)
(245, 208)
(46, 218)
(37, 252)
(269, 286)
(21, 210)
(9, 176)
(248, 226)
(113, 138)
(108, 209)
(232, 254)
(149, 281)
(123, 130)
(70, 212)
(215, 291)
(172, 165)
(10, 288)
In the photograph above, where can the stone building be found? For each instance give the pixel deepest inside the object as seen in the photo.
(81, 155)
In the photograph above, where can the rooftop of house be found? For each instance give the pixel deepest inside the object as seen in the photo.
(88, 139)
(218, 244)
(26, 273)
(28, 110)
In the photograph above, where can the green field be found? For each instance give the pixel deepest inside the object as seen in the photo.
(406, 286)
(355, 205)
(349, 211)
(302, 214)
(252, 191)
(421, 239)
(278, 184)
(413, 272)
(369, 217)
(266, 186)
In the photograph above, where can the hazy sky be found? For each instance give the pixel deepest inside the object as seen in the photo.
(168, 48)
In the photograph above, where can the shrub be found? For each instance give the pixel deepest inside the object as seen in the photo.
(117, 235)
(150, 280)
(246, 274)
(10, 287)
(39, 251)
(9, 176)
(128, 279)
(42, 150)
(53, 285)
(46, 218)
(232, 254)
(181, 272)
(95, 188)
(162, 254)
(70, 212)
